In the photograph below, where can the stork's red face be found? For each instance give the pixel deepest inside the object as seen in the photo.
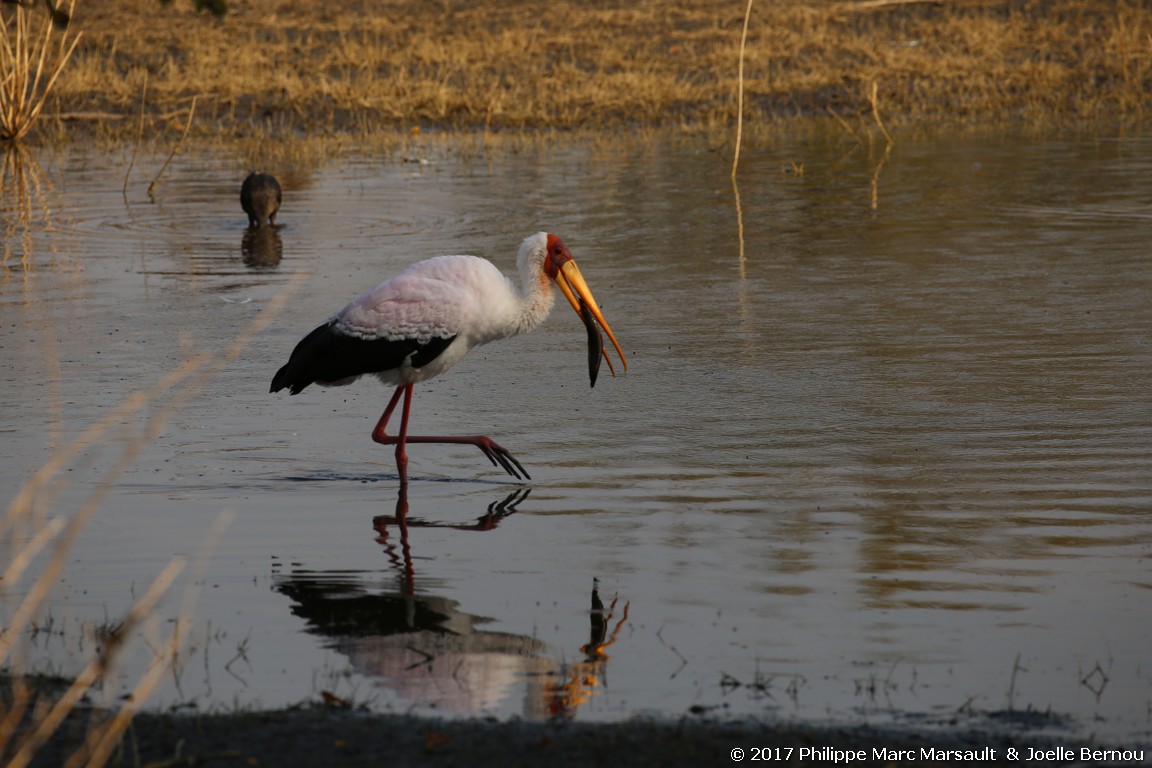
(560, 267)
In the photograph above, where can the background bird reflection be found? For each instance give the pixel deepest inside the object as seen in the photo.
(261, 247)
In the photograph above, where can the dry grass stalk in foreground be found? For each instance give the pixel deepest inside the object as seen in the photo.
(27, 71)
(26, 724)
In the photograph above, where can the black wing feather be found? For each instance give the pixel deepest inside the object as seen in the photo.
(327, 355)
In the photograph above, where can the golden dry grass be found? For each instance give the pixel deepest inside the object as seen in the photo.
(33, 52)
(305, 68)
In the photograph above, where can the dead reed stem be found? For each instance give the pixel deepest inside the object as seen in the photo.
(874, 100)
(875, 185)
(740, 92)
(741, 259)
(139, 136)
(843, 123)
(31, 549)
(175, 149)
(739, 141)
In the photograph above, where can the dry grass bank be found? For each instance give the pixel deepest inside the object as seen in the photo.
(305, 68)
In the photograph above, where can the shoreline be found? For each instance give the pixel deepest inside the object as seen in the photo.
(323, 736)
(316, 735)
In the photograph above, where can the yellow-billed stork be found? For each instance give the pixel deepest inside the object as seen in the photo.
(424, 320)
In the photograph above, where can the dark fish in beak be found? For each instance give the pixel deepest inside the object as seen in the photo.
(595, 340)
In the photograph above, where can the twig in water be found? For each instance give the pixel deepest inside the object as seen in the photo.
(843, 123)
(1012, 683)
(875, 99)
(139, 135)
(875, 189)
(739, 140)
(175, 149)
(742, 260)
(1096, 680)
(241, 655)
(683, 661)
(794, 685)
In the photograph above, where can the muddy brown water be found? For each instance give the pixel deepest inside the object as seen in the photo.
(889, 461)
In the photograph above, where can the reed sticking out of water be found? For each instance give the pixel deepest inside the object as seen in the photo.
(740, 92)
(874, 101)
(28, 70)
(139, 136)
(175, 149)
(740, 138)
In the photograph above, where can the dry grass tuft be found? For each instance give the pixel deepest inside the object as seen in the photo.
(30, 64)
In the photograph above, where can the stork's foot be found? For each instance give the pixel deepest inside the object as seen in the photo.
(496, 453)
(500, 457)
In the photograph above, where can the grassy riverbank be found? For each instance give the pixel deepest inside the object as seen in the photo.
(304, 69)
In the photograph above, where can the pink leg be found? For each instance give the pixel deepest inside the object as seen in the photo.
(378, 433)
(498, 455)
(380, 436)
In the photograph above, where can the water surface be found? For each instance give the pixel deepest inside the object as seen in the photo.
(889, 459)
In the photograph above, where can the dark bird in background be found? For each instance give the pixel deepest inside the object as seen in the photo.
(260, 198)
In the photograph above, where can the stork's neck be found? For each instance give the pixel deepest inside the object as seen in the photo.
(536, 297)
